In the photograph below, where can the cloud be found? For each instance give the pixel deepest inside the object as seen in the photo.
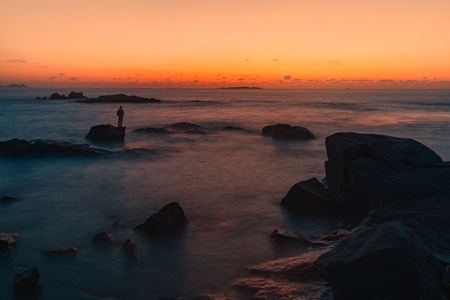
(275, 59)
(334, 61)
(73, 78)
(287, 77)
(16, 61)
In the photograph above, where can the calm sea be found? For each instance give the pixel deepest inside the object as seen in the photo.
(229, 183)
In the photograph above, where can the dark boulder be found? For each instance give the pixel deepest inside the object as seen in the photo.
(382, 262)
(76, 95)
(18, 148)
(106, 133)
(287, 132)
(27, 282)
(283, 235)
(7, 242)
(170, 218)
(367, 171)
(120, 98)
(308, 196)
(7, 199)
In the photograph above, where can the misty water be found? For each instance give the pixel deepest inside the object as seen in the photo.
(228, 182)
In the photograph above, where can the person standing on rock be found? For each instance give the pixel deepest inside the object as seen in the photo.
(120, 114)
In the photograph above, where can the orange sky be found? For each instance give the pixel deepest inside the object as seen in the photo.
(208, 43)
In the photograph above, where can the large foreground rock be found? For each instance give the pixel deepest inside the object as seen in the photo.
(287, 132)
(120, 98)
(170, 218)
(106, 132)
(18, 148)
(382, 262)
(367, 171)
(27, 283)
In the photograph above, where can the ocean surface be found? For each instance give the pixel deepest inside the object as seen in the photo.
(229, 183)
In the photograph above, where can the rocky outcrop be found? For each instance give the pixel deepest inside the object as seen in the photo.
(382, 262)
(107, 133)
(72, 95)
(7, 242)
(180, 127)
(120, 98)
(170, 218)
(401, 189)
(287, 132)
(19, 148)
(27, 283)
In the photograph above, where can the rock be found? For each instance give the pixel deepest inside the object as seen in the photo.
(106, 133)
(131, 249)
(233, 128)
(180, 127)
(368, 171)
(104, 237)
(382, 262)
(7, 242)
(170, 218)
(27, 282)
(283, 235)
(287, 132)
(57, 96)
(152, 130)
(76, 95)
(308, 196)
(65, 251)
(120, 98)
(19, 148)
(7, 198)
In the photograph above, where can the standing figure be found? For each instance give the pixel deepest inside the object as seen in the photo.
(120, 114)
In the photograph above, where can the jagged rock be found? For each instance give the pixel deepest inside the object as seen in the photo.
(17, 147)
(120, 98)
(131, 249)
(104, 237)
(308, 196)
(284, 235)
(170, 218)
(287, 132)
(27, 282)
(57, 96)
(106, 133)
(382, 262)
(7, 242)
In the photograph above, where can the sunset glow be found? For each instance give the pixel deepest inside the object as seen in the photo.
(199, 43)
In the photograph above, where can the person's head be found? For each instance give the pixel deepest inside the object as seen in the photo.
(121, 106)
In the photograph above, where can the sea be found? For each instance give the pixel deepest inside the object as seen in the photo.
(228, 182)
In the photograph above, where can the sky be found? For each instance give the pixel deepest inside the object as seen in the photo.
(209, 43)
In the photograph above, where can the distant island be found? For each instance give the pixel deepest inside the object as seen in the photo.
(241, 88)
(15, 85)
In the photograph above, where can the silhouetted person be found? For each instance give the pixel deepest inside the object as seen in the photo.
(120, 114)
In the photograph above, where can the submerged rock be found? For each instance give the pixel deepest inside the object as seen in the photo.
(180, 127)
(18, 148)
(27, 282)
(106, 132)
(120, 98)
(287, 132)
(131, 249)
(103, 238)
(65, 251)
(7, 242)
(170, 218)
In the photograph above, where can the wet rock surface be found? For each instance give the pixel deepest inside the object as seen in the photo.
(20, 148)
(287, 132)
(168, 219)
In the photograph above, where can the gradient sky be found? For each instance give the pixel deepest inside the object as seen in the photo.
(209, 43)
